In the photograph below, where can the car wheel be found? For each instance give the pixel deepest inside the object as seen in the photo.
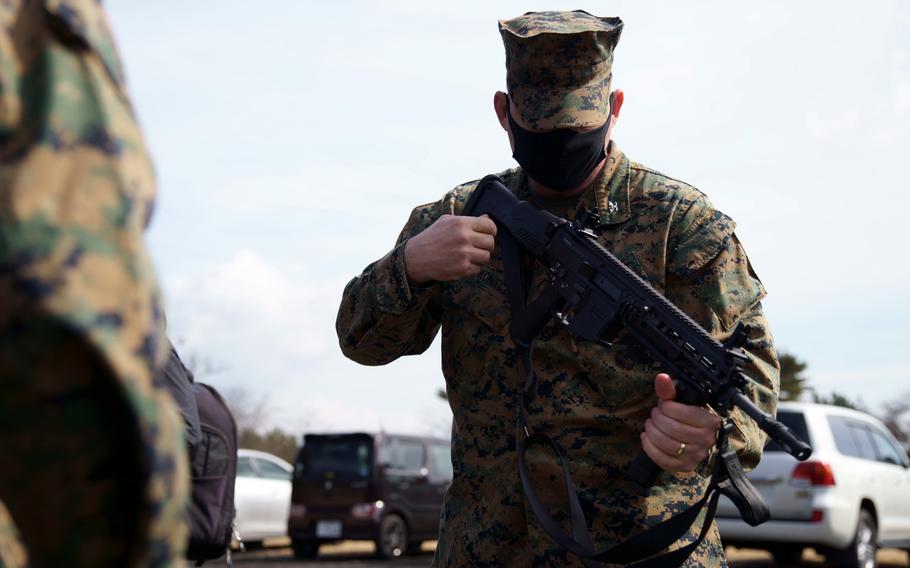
(393, 537)
(788, 555)
(861, 552)
(305, 548)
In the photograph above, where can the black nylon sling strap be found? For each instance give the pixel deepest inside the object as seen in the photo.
(734, 484)
(638, 550)
(635, 551)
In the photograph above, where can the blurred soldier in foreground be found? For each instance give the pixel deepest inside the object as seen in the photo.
(601, 406)
(94, 468)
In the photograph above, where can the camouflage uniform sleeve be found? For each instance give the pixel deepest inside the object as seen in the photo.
(382, 316)
(710, 278)
(81, 327)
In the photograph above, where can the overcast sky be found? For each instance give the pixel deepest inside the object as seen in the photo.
(293, 138)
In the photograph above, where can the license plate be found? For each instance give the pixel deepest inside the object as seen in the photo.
(328, 529)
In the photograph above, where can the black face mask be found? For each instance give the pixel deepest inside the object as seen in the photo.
(561, 159)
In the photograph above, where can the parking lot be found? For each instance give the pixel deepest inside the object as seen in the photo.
(358, 554)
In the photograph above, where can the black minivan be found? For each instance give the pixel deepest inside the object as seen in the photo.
(387, 488)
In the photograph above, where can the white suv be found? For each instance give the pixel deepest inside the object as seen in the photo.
(849, 498)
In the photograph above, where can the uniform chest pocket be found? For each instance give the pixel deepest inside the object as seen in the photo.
(475, 327)
(472, 304)
(478, 357)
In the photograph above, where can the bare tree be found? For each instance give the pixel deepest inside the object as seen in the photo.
(277, 442)
(837, 399)
(894, 416)
(249, 411)
(200, 366)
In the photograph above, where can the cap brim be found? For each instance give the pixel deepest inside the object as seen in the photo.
(546, 109)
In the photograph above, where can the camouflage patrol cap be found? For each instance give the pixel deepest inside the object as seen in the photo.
(559, 66)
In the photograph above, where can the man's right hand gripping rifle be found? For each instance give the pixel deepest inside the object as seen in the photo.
(452, 248)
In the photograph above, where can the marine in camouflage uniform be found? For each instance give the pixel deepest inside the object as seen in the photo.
(593, 401)
(94, 469)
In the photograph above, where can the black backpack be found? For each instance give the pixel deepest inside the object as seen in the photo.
(212, 442)
(214, 468)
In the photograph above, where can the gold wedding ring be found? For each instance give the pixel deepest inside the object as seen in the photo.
(682, 448)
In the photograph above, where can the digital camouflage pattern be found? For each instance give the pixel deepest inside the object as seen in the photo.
(593, 401)
(94, 468)
(559, 66)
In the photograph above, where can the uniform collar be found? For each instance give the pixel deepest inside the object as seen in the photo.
(611, 188)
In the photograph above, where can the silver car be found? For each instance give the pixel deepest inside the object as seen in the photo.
(262, 496)
(851, 497)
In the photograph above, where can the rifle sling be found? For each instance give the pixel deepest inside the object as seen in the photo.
(639, 550)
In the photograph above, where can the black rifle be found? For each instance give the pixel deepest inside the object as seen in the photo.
(595, 295)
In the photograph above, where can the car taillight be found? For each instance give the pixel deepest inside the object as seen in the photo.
(815, 472)
(366, 510)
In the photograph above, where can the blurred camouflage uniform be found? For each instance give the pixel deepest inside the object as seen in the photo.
(593, 401)
(94, 468)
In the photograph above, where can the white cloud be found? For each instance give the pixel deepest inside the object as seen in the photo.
(826, 124)
(326, 413)
(867, 374)
(246, 302)
(873, 386)
(290, 160)
(319, 191)
(269, 329)
(902, 98)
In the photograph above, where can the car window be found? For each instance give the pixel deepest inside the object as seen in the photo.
(843, 438)
(406, 455)
(441, 463)
(342, 456)
(886, 451)
(245, 467)
(863, 440)
(271, 470)
(796, 422)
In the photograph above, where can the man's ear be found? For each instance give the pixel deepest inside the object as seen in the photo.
(501, 106)
(617, 97)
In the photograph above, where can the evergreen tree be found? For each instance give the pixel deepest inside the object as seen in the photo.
(792, 381)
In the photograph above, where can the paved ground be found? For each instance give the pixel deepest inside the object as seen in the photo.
(359, 555)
